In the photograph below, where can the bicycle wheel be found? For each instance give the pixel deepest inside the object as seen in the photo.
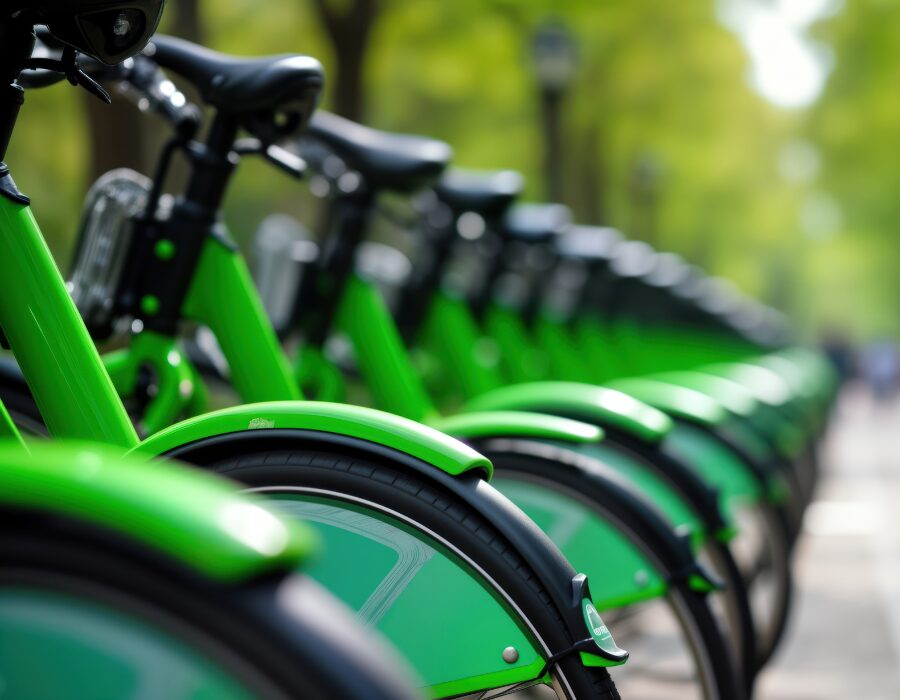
(732, 604)
(678, 649)
(353, 494)
(762, 548)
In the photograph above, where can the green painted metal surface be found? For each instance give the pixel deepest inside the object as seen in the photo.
(661, 493)
(402, 434)
(766, 386)
(732, 396)
(89, 649)
(317, 376)
(674, 400)
(176, 378)
(438, 612)
(73, 392)
(223, 297)
(720, 467)
(579, 401)
(592, 338)
(380, 353)
(187, 514)
(568, 361)
(8, 429)
(539, 426)
(469, 360)
(521, 360)
(619, 572)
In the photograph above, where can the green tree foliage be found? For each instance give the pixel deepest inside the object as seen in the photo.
(856, 126)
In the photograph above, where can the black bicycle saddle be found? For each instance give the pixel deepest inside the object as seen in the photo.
(668, 271)
(241, 85)
(489, 194)
(593, 244)
(536, 223)
(633, 259)
(397, 162)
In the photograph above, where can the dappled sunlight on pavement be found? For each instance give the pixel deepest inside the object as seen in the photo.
(844, 636)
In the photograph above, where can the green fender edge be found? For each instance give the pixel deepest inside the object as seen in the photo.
(733, 397)
(677, 401)
(192, 516)
(401, 434)
(540, 426)
(766, 386)
(581, 401)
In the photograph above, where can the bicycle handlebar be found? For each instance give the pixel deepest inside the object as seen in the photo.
(155, 92)
(143, 81)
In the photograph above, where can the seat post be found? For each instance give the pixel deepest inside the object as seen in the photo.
(440, 225)
(213, 164)
(167, 280)
(320, 294)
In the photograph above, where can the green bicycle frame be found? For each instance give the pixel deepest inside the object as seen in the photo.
(63, 369)
(223, 298)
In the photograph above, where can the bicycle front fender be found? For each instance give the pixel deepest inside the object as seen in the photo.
(679, 401)
(420, 449)
(495, 424)
(400, 434)
(190, 516)
(582, 402)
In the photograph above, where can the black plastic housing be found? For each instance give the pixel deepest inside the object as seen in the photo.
(108, 30)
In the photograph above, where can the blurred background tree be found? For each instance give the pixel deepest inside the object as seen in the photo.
(665, 126)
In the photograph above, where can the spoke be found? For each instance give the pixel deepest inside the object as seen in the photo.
(524, 685)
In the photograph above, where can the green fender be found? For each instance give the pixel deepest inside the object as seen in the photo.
(192, 516)
(401, 434)
(767, 387)
(675, 400)
(540, 426)
(740, 400)
(583, 401)
(732, 396)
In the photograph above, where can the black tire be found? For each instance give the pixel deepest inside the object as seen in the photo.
(777, 533)
(779, 536)
(552, 468)
(279, 635)
(384, 485)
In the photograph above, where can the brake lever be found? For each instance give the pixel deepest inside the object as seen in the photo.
(68, 66)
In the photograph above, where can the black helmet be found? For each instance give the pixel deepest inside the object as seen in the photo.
(108, 30)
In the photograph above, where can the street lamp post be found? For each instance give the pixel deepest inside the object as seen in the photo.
(555, 62)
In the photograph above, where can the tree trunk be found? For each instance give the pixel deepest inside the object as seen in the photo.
(349, 27)
(188, 22)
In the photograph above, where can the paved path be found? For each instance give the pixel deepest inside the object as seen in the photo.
(844, 637)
